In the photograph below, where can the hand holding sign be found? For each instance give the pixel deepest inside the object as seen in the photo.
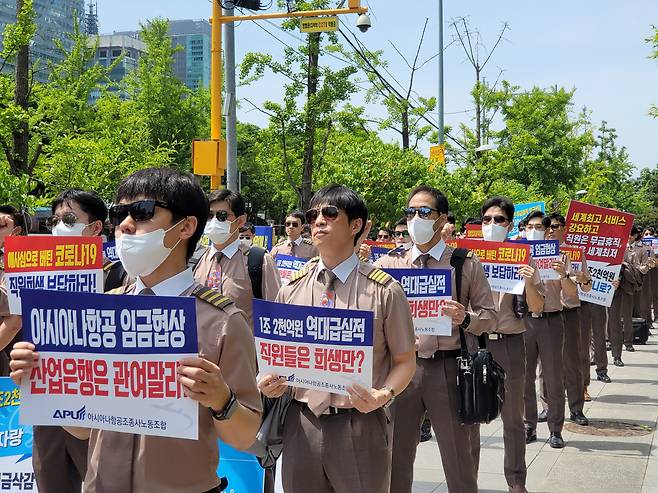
(526, 272)
(559, 267)
(367, 400)
(23, 358)
(203, 382)
(272, 385)
(455, 311)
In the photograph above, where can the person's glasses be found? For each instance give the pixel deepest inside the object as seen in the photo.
(329, 212)
(555, 226)
(221, 216)
(536, 227)
(402, 234)
(292, 224)
(495, 219)
(142, 210)
(423, 212)
(383, 237)
(68, 218)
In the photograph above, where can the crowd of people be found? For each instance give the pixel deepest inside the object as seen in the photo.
(365, 441)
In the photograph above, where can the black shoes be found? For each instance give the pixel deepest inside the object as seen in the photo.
(556, 441)
(629, 348)
(602, 376)
(618, 362)
(530, 435)
(542, 416)
(426, 431)
(579, 418)
(608, 346)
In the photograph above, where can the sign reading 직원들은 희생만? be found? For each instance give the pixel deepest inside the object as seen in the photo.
(109, 362)
(312, 347)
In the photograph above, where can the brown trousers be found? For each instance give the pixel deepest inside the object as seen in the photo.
(620, 321)
(653, 277)
(59, 460)
(434, 389)
(509, 352)
(597, 317)
(545, 339)
(642, 302)
(343, 453)
(573, 360)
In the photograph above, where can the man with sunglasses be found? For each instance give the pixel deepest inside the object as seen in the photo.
(331, 442)
(434, 385)
(401, 234)
(507, 344)
(159, 217)
(544, 338)
(238, 271)
(384, 235)
(577, 333)
(295, 245)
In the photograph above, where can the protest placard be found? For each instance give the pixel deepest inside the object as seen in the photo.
(576, 256)
(109, 362)
(379, 249)
(521, 211)
(59, 263)
(500, 261)
(427, 291)
(311, 347)
(651, 242)
(603, 233)
(474, 231)
(288, 265)
(110, 251)
(264, 237)
(544, 253)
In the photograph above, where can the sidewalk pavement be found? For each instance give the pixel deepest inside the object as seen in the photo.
(590, 463)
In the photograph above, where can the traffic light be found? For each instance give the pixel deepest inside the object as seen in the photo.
(249, 4)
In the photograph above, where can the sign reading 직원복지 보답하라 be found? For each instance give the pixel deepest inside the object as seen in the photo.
(109, 362)
(427, 291)
(288, 265)
(57, 263)
(603, 234)
(312, 347)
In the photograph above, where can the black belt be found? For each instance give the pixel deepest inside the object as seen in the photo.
(454, 353)
(543, 314)
(333, 411)
(570, 309)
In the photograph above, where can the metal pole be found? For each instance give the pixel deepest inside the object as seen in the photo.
(216, 82)
(441, 99)
(231, 118)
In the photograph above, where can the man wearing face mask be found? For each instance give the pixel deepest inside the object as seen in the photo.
(544, 338)
(642, 261)
(506, 342)
(434, 385)
(246, 236)
(238, 271)
(159, 216)
(295, 245)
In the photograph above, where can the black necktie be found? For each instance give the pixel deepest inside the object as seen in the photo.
(423, 260)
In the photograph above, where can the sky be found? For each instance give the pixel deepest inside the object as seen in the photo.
(596, 47)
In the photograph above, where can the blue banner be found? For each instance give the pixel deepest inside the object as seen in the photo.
(110, 251)
(289, 262)
(521, 211)
(264, 237)
(542, 248)
(377, 252)
(241, 469)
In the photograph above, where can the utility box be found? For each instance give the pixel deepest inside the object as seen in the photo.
(209, 157)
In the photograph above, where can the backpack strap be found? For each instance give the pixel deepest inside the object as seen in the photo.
(255, 258)
(457, 260)
(212, 297)
(116, 275)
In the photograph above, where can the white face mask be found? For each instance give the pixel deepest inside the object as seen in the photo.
(218, 231)
(141, 254)
(494, 232)
(246, 242)
(534, 235)
(522, 234)
(421, 230)
(62, 229)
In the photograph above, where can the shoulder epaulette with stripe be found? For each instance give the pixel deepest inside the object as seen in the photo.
(380, 277)
(307, 241)
(107, 266)
(304, 270)
(212, 297)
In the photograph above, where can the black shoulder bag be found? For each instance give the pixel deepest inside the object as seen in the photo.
(480, 380)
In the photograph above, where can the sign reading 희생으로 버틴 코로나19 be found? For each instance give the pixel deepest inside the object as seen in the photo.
(603, 233)
(287, 265)
(58, 263)
(109, 362)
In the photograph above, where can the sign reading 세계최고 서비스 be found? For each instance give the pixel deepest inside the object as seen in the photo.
(603, 234)
(109, 362)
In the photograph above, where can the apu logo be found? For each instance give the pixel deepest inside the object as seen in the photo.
(65, 413)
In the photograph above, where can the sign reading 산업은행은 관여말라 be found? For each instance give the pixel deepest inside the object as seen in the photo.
(427, 291)
(317, 348)
(109, 362)
(57, 263)
(288, 265)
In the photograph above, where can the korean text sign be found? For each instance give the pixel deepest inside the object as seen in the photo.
(288, 265)
(57, 263)
(317, 348)
(427, 291)
(603, 234)
(110, 251)
(576, 256)
(264, 237)
(474, 231)
(521, 211)
(110, 362)
(16, 473)
(544, 253)
(379, 249)
(652, 242)
(501, 262)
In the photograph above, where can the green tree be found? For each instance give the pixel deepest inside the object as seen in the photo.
(653, 41)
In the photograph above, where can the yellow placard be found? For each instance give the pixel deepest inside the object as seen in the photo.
(318, 24)
(438, 154)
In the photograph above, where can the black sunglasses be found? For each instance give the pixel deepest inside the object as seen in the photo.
(142, 210)
(67, 218)
(554, 226)
(220, 215)
(496, 219)
(329, 212)
(293, 224)
(401, 234)
(423, 212)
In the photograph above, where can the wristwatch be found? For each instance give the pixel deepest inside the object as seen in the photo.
(391, 391)
(467, 321)
(228, 410)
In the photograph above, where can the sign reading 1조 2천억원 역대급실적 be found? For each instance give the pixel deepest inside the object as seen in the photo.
(109, 362)
(313, 347)
(603, 234)
(58, 263)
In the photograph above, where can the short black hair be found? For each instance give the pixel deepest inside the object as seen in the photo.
(234, 200)
(90, 203)
(546, 222)
(451, 218)
(248, 227)
(345, 199)
(558, 217)
(297, 215)
(440, 200)
(181, 191)
(17, 216)
(650, 230)
(503, 202)
(636, 229)
(522, 224)
(401, 222)
(388, 231)
(473, 220)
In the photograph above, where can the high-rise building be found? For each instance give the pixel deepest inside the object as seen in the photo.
(192, 62)
(54, 19)
(112, 46)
